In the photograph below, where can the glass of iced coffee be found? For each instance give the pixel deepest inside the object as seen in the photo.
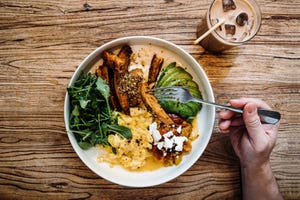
(242, 22)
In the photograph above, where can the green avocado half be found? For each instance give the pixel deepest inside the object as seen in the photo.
(173, 75)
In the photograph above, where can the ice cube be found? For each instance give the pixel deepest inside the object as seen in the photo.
(250, 24)
(242, 19)
(230, 29)
(214, 21)
(228, 5)
(243, 36)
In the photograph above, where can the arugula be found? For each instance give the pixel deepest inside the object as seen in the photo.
(92, 119)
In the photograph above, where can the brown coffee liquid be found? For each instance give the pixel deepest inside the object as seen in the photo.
(211, 43)
(242, 21)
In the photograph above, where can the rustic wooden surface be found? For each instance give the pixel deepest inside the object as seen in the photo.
(42, 43)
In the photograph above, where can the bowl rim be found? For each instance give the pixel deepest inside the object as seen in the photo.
(84, 65)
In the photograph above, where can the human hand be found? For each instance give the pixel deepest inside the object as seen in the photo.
(252, 141)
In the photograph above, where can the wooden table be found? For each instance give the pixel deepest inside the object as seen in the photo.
(43, 42)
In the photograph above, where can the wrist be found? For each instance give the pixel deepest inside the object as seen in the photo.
(257, 169)
(259, 181)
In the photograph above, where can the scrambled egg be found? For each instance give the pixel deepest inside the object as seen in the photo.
(131, 154)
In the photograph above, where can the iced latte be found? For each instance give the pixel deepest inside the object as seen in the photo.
(242, 22)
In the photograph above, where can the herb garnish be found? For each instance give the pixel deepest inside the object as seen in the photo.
(92, 119)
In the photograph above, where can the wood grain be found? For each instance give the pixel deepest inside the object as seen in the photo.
(43, 42)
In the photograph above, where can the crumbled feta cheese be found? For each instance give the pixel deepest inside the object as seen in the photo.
(179, 129)
(168, 143)
(169, 139)
(160, 145)
(168, 134)
(153, 127)
(179, 140)
(156, 136)
(154, 132)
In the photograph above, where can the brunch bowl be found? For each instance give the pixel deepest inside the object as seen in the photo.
(144, 47)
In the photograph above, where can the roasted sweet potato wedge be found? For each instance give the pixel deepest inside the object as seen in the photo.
(122, 97)
(125, 54)
(102, 71)
(155, 67)
(113, 61)
(152, 104)
(106, 74)
(118, 62)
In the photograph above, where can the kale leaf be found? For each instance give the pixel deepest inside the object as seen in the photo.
(91, 118)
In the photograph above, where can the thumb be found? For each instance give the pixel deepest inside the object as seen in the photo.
(252, 122)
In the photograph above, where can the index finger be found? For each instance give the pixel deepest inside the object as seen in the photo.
(240, 103)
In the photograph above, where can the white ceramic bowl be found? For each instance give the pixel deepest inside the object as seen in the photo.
(205, 118)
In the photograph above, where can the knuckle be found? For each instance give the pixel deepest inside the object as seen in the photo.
(253, 122)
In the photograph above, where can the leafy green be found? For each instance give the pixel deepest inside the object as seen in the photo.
(173, 75)
(103, 88)
(91, 118)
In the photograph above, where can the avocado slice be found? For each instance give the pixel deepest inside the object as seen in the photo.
(194, 91)
(175, 74)
(165, 70)
(185, 110)
(181, 82)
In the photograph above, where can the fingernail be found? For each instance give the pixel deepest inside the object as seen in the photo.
(251, 108)
(225, 131)
(224, 124)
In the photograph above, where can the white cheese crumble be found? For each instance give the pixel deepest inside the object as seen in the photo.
(168, 140)
(179, 129)
(154, 132)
